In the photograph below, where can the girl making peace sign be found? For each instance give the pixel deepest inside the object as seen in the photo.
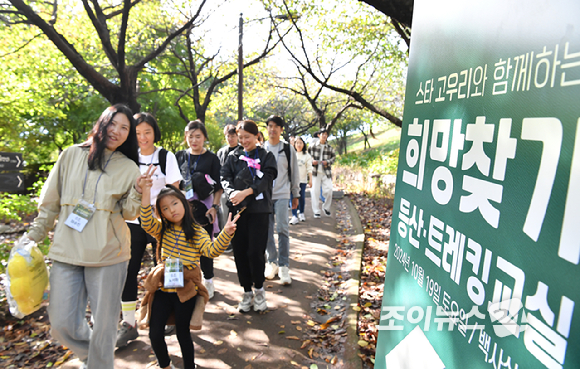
(175, 284)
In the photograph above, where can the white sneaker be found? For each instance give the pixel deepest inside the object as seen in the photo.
(294, 220)
(260, 301)
(284, 275)
(246, 302)
(316, 216)
(271, 270)
(210, 288)
(301, 217)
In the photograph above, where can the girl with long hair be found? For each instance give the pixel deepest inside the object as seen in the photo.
(181, 244)
(92, 189)
(305, 169)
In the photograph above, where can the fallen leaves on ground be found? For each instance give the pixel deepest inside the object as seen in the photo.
(324, 333)
(375, 216)
(27, 343)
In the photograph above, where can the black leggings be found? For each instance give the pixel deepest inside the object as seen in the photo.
(249, 245)
(139, 241)
(164, 304)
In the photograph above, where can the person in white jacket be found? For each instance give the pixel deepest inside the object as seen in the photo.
(305, 169)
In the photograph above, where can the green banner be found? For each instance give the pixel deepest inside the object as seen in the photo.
(483, 265)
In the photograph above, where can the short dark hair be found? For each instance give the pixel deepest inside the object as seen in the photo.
(229, 129)
(276, 119)
(249, 126)
(97, 139)
(196, 124)
(300, 138)
(149, 119)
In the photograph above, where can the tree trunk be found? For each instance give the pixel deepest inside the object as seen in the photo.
(127, 92)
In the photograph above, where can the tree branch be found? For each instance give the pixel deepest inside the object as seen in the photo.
(118, 11)
(100, 23)
(122, 36)
(324, 81)
(21, 47)
(160, 90)
(181, 113)
(100, 83)
(162, 47)
(406, 36)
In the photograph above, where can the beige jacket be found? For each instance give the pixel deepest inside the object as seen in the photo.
(105, 240)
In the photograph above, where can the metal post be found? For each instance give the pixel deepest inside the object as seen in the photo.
(241, 72)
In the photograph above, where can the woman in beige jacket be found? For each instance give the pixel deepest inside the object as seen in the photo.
(92, 189)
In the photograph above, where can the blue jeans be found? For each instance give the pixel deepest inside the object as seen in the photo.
(71, 287)
(301, 200)
(280, 218)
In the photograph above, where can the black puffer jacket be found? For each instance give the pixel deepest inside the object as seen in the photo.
(236, 176)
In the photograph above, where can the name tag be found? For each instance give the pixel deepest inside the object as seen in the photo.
(173, 273)
(80, 216)
(188, 190)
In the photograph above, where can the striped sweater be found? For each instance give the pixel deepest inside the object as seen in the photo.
(175, 245)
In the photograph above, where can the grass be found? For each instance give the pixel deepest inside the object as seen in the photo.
(386, 138)
(381, 158)
(362, 171)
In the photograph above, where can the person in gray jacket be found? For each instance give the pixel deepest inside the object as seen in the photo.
(288, 181)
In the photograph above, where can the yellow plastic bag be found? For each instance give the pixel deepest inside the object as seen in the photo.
(27, 278)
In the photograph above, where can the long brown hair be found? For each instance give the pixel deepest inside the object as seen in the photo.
(97, 139)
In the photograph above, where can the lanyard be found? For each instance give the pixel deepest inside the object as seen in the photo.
(194, 164)
(98, 179)
(153, 156)
(247, 154)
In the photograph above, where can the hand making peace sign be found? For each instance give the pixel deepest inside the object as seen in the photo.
(231, 225)
(144, 182)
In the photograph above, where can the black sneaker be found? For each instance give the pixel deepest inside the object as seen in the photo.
(326, 212)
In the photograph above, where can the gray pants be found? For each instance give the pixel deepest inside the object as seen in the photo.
(71, 287)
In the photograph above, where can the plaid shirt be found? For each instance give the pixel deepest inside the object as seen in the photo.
(318, 154)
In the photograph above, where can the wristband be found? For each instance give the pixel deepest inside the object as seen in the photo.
(215, 206)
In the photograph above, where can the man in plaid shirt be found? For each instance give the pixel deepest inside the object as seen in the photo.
(322, 158)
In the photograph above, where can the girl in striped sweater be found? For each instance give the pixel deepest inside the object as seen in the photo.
(182, 243)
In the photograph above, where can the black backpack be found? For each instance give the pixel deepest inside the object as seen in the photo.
(162, 161)
(286, 150)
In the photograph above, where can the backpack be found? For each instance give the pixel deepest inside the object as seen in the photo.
(162, 161)
(286, 150)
